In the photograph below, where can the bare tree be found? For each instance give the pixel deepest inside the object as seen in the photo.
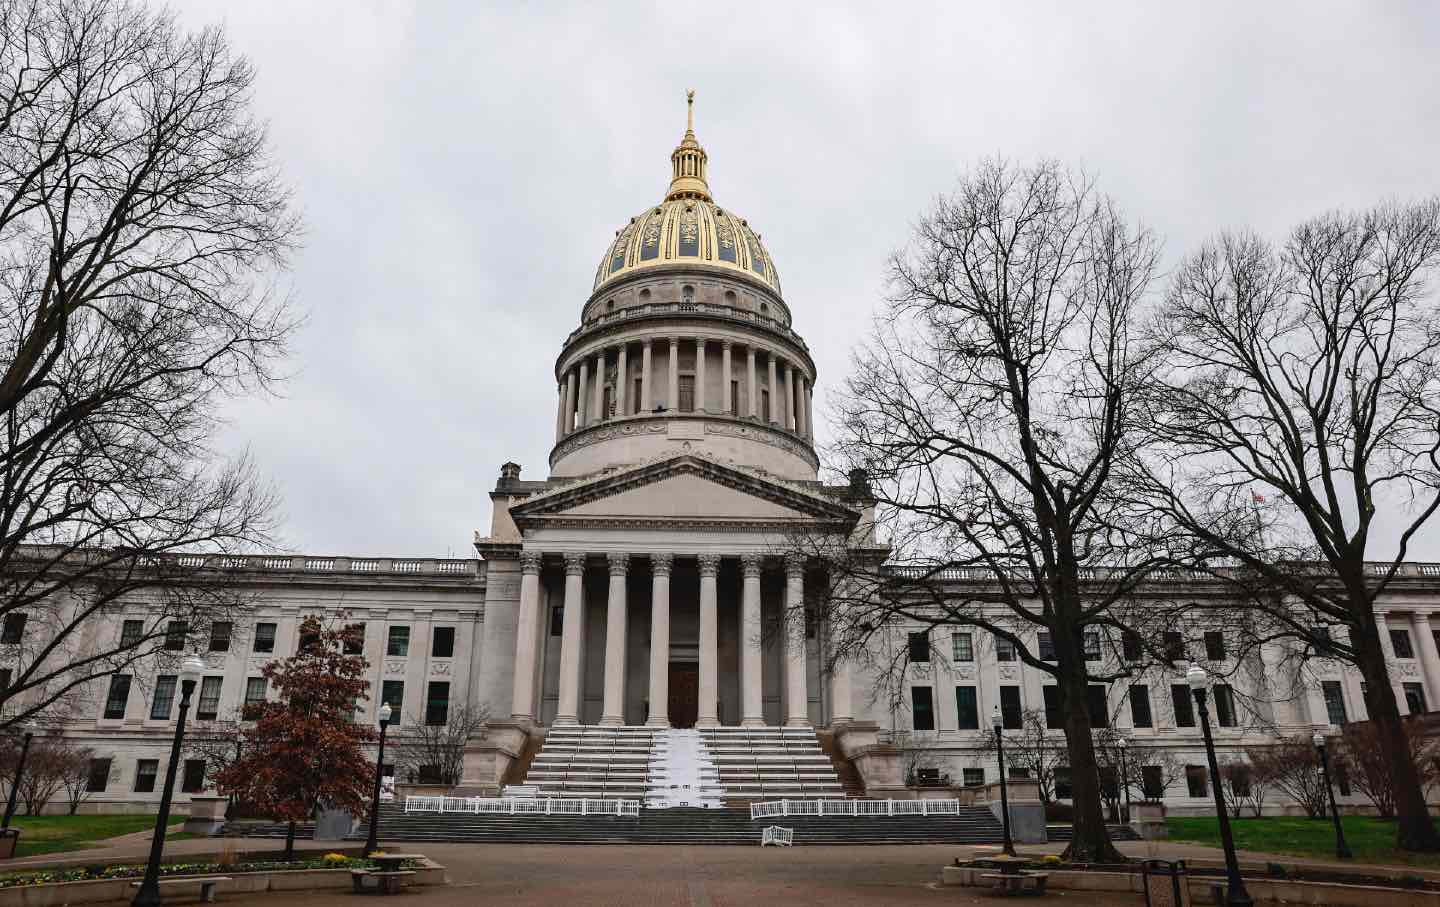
(1237, 784)
(73, 764)
(140, 219)
(1308, 375)
(1292, 767)
(435, 753)
(989, 411)
(1034, 749)
(1360, 756)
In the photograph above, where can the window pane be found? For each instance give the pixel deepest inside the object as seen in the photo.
(437, 703)
(687, 393)
(1152, 782)
(1097, 706)
(99, 776)
(130, 633)
(922, 710)
(1130, 645)
(1010, 714)
(393, 692)
(443, 642)
(1224, 705)
(145, 771)
(967, 709)
(1415, 698)
(1334, 702)
(1174, 646)
(398, 642)
(220, 636)
(209, 697)
(1004, 650)
(1046, 646)
(1091, 641)
(963, 646)
(164, 697)
(354, 643)
(194, 779)
(264, 637)
(1053, 719)
(1215, 646)
(557, 620)
(255, 690)
(1140, 706)
(973, 777)
(1184, 706)
(920, 647)
(1195, 780)
(1063, 788)
(118, 697)
(175, 633)
(1400, 641)
(13, 629)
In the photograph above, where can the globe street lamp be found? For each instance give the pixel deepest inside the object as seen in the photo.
(1124, 744)
(1342, 850)
(149, 893)
(379, 769)
(29, 729)
(996, 723)
(1236, 896)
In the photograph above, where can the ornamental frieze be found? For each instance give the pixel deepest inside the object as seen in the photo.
(395, 666)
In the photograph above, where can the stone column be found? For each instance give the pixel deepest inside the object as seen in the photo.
(751, 411)
(802, 422)
(527, 626)
(810, 412)
(614, 710)
(700, 374)
(559, 411)
(672, 401)
(752, 704)
(1383, 628)
(709, 695)
(570, 382)
(597, 409)
(774, 389)
(790, 422)
(842, 709)
(572, 639)
(660, 640)
(725, 393)
(622, 380)
(1429, 657)
(582, 399)
(647, 398)
(797, 702)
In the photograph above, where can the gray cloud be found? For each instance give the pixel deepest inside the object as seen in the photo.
(463, 167)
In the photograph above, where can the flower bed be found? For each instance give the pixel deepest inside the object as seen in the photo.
(98, 872)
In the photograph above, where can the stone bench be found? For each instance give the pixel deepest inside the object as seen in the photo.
(207, 884)
(385, 882)
(1023, 882)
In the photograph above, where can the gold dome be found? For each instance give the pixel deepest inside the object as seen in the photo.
(687, 227)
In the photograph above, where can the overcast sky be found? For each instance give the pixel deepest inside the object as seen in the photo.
(462, 169)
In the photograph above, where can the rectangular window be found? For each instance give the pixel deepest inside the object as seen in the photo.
(1152, 782)
(1091, 644)
(175, 633)
(1174, 646)
(1195, 780)
(1334, 702)
(354, 642)
(636, 404)
(1109, 778)
(220, 636)
(1140, 706)
(5, 678)
(1004, 650)
(209, 705)
(1097, 706)
(1046, 645)
(99, 776)
(118, 697)
(1414, 698)
(442, 642)
(264, 638)
(1010, 714)
(397, 644)
(145, 771)
(1215, 645)
(255, 688)
(1063, 788)
(130, 633)
(1400, 642)
(193, 781)
(962, 647)
(972, 777)
(607, 402)
(309, 638)
(164, 697)
(393, 692)
(922, 709)
(687, 393)
(734, 396)
(920, 647)
(1224, 705)
(14, 628)
(967, 709)
(1130, 646)
(1184, 706)
(557, 620)
(764, 405)
(1053, 719)
(437, 703)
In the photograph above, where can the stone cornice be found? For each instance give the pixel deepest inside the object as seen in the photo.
(716, 424)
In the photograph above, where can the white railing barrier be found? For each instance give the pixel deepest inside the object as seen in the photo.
(836, 807)
(780, 837)
(512, 806)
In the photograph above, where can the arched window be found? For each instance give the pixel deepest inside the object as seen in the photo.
(687, 294)
(644, 295)
(730, 297)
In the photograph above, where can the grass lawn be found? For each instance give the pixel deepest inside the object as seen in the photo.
(51, 834)
(1370, 840)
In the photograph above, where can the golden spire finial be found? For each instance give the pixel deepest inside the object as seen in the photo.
(687, 176)
(690, 110)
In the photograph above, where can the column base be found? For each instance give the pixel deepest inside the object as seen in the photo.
(565, 721)
(798, 722)
(707, 722)
(752, 722)
(611, 721)
(520, 717)
(658, 722)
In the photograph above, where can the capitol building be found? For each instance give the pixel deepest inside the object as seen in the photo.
(636, 582)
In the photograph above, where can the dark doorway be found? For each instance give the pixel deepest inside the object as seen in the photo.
(684, 704)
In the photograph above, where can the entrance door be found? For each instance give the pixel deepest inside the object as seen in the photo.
(684, 704)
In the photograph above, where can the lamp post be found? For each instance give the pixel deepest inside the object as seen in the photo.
(149, 893)
(1236, 895)
(1342, 850)
(379, 770)
(995, 722)
(1124, 744)
(29, 728)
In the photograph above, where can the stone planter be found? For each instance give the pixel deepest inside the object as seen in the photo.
(1148, 820)
(207, 815)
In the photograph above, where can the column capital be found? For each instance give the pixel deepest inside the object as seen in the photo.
(700, 340)
(619, 563)
(794, 564)
(709, 564)
(530, 562)
(661, 563)
(727, 344)
(1422, 616)
(574, 563)
(750, 564)
(675, 341)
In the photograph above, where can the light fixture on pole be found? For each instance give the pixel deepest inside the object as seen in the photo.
(1124, 744)
(28, 728)
(998, 724)
(379, 770)
(149, 893)
(1342, 850)
(1236, 895)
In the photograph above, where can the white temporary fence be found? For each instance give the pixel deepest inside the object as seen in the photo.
(517, 806)
(854, 808)
(780, 837)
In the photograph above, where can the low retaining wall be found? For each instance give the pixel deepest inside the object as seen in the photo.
(1287, 891)
(57, 894)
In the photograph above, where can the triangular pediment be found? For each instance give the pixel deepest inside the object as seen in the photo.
(684, 489)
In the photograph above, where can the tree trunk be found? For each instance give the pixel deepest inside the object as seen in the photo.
(1414, 829)
(1091, 840)
(290, 842)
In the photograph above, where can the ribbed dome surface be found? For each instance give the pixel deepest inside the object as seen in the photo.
(687, 231)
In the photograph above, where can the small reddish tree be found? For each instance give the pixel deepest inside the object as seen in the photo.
(304, 751)
(1368, 765)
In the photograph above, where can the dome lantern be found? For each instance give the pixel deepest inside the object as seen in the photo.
(687, 161)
